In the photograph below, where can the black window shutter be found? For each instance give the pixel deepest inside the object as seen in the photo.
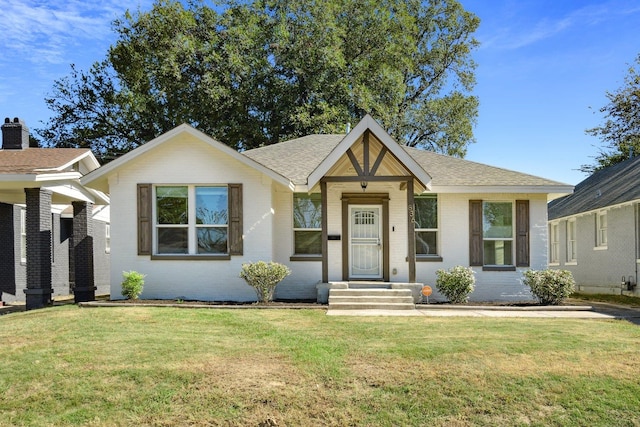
(235, 219)
(522, 233)
(475, 233)
(144, 219)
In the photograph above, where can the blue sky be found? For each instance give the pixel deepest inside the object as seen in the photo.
(543, 69)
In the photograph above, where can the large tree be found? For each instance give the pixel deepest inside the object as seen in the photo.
(255, 73)
(620, 131)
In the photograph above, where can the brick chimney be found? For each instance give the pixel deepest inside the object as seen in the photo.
(15, 135)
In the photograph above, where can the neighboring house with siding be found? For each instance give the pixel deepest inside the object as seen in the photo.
(595, 232)
(53, 231)
(188, 211)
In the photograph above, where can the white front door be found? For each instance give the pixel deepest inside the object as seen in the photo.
(365, 242)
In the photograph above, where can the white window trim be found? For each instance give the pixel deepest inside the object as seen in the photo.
(601, 244)
(512, 239)
(191, 226)
(572, 255)
(437, 231)
(294, 229)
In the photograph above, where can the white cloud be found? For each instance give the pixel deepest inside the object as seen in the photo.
(44, 31)
(527, 33)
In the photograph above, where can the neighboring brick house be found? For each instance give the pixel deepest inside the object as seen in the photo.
(54, 233)
(595, 232)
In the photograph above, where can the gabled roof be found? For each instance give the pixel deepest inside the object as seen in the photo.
(614, 185)
(368, 123)
(99, 178)
(297, 159)
(300, 163)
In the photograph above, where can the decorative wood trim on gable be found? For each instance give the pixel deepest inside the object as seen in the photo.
(365, 152)
(378, 161)
(145, 222)
(354, 162)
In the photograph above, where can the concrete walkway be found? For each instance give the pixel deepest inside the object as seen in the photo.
(596, 311)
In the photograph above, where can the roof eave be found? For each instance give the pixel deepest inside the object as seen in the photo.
(98, 178)
(40, 177)
(554, 191)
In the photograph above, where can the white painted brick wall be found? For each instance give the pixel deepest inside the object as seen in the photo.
(186, 160)
(269, 236)
(454, 247)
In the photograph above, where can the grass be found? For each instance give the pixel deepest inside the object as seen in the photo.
(171, 366)
(611, 298)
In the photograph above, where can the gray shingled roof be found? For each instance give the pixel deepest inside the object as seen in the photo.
(453, 171)
(611, 186)
(297, 158)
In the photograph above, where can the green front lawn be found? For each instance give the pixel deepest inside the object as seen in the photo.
(170, 366)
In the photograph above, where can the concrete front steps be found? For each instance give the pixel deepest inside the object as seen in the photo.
(378, 298)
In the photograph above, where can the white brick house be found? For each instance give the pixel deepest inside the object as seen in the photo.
(188, 211)
(595, 232)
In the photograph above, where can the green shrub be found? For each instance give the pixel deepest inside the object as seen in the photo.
(132, 284)
(263, 277)
(456, 284)
(550, 287)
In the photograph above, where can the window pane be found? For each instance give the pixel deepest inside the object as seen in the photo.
(173, 240)
(498, 252)
(497, 220)
(171, 205)
(307, 211)
(212, 240)
(426, 214)
(211, 205)
(308, 242)
(426, 242)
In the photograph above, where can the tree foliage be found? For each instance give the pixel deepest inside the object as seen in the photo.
(255, 73)
(621, 130)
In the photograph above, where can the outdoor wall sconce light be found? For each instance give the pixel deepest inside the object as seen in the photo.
(363, 184)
